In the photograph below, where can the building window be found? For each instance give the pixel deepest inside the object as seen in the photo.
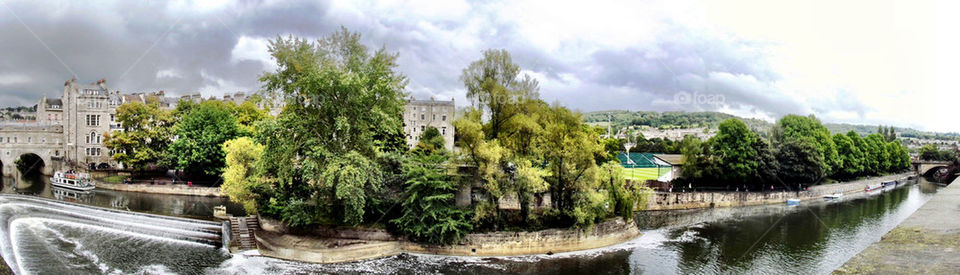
(56, 153)
(423, 128)
(434, 116)
(444, 118)
(29, 139)
(93, 138)
(93, 120)
(443, 130)
(422, 117)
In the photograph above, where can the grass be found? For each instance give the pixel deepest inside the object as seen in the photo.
(114, 179)
(643, 174)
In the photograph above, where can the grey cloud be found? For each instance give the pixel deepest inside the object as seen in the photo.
(104, 40)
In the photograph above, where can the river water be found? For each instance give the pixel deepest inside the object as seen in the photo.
(813, 238)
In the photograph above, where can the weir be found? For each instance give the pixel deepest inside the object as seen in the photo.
(26, 219)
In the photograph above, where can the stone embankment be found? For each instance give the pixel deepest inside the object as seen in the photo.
(171, 189)
(343, 245)
(927, 242)
(693, 200)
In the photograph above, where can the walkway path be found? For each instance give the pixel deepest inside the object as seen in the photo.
(928, 242)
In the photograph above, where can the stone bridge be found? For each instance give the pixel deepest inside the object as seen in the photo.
(923, 167)
(44, 141)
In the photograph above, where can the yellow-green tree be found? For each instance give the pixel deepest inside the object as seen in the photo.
(239, 176)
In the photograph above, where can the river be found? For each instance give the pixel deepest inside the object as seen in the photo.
(813, 238)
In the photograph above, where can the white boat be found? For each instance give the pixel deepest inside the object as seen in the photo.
(793, 202)
(834, 196)
(72, 180)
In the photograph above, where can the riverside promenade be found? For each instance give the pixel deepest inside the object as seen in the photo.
(928, 242)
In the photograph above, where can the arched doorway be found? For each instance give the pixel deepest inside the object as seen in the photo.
(30, 164)
(103, 166)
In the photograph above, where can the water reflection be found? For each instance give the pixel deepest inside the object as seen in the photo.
(813, 238)
(176, 205)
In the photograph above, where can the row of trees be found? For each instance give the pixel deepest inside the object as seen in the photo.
(336, 154)
(931, 152)
(188, 138)
(800, 150)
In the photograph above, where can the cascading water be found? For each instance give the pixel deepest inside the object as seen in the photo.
(42, 236)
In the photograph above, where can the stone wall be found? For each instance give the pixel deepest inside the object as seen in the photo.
(548, 241)
(343, 245)
(173, 189)
(692, 200)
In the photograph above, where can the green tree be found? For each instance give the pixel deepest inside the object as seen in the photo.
(698, 163)
(348, 180)
(879, 161)
(800, 161)
(611, 178)
(572, 167)
(495, 85)
(428, 211)
(735, 147)
(526, 181)
(340, 97)
(248, 115)
(240, 179)
(198, 149)
(860, 156)
(431, 141)
(810, 129)
(850, 156)
(147, 133)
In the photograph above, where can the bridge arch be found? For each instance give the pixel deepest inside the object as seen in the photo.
(43, 163)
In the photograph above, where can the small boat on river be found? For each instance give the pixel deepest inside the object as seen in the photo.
(873, 187)
(793, 202)
(72, 180)
(834, 196)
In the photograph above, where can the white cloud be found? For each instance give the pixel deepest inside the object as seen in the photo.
(8, 79)
(253, 48)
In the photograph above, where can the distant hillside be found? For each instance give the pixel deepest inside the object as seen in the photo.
(672, 120)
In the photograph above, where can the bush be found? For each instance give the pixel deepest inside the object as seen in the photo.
(429, 214)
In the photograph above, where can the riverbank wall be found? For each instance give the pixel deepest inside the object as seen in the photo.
(694, 200)
(927, 242)
(171, 189)
(345, 245)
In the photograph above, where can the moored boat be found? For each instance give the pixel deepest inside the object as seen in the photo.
(793, 202)
(834, 196)
(873, 187)
(72, 180)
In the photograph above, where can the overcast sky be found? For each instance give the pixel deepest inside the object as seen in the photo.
(864, 62)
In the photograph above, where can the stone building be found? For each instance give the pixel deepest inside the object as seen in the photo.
(86, 112)
(421, 114)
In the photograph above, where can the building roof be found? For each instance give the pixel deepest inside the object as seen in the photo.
(672, 159)
(54, 101)
(636, 160)
(431, 101)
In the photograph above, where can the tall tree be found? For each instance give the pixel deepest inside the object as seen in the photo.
(850, 155)
(495, 86)
(338, 95)
(810, 129)
(735, 147)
